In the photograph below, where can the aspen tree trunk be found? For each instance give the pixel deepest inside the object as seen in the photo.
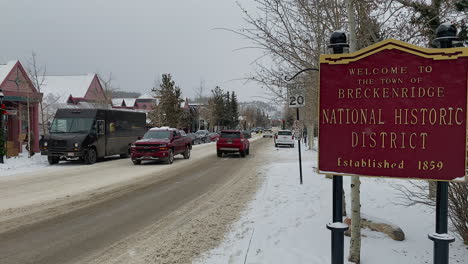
(355, 245)
(310, 134)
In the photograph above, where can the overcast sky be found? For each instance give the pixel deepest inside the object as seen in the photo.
(136, 40)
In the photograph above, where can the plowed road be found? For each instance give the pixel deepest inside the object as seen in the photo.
(115, 212)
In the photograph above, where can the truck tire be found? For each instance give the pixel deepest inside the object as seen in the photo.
(242, 153)
(276, 145)
(170, 159)
(248, 151)
(219, 153)
(187, 152)
(136, 162)
(90, 156)
(53, 160)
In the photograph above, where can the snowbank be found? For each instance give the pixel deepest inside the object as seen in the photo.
(22, 164)
(286, 223)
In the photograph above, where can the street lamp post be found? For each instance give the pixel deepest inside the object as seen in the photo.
(2, 138)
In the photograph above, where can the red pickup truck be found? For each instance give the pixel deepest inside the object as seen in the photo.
(232, 141)
(161, 144)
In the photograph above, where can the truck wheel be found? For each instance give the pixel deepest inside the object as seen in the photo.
(136, 162)
(219, 153)
(276, 145)
(248, 151)
(90, 156)
(242, 153)
(170, 159)
(53, 160)
(187, 152)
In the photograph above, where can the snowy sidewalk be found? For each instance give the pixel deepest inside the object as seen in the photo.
(286, 223)
(22, 163)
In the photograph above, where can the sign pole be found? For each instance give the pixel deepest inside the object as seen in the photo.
(296, 99)
(337, 42)
(445, 35)
(299, 147)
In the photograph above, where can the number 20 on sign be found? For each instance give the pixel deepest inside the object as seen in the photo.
(296, 100)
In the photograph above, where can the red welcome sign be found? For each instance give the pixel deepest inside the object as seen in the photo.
(394, 110)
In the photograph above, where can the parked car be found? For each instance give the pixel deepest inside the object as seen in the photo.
(203, 135)
(267, 133)
(284, 137)
(232, 141)
(161, 144)
(247, 133)
(214, 137)
(194, 138)
(89, 134)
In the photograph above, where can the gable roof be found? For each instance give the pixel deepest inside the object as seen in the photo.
(64, 86)
(117, 101)
(5, 69)
(130, 102)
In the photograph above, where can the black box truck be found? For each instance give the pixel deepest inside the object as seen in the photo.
(89, 134)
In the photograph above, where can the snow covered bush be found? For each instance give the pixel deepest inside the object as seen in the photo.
(458, 208)
(417, 192)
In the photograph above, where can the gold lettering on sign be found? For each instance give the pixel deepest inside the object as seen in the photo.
(389, 140)
(428, 116)
(370, 163)
(375, 71)
(387, 92)
(352, 116)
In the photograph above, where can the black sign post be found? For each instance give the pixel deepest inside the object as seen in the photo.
(337, 43)
(299, 147)
(446, 33)
(296, 99)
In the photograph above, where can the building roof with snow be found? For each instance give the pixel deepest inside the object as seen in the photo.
(86, 87)
(129, 102)
(5, 69)
(118, 102)
(145, 96)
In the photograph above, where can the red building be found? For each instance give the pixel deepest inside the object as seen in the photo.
(74, 89)
(20, 96)
(81, 91)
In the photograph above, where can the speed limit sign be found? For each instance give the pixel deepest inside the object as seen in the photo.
(296, 99)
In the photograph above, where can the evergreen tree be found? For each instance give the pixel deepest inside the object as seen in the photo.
(218, 106)
(227, 122)
(234, 110)
(170, 99)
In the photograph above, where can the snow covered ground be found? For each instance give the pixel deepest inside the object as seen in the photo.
(22, 163)
(286, 223)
